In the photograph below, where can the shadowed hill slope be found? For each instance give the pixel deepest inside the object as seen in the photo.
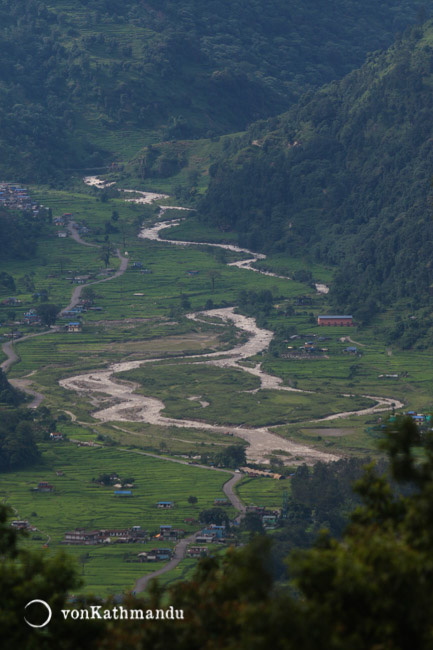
(345, 177)
(84, 82)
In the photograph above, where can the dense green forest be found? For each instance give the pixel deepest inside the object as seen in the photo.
(17, 442)
(345, 178)
(19, 232)
(9, 394)
(80, 80)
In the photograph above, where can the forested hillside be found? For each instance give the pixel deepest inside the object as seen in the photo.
(83, 82)
(18, 235)
(345, 177)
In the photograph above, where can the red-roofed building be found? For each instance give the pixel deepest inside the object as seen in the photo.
(342, 321)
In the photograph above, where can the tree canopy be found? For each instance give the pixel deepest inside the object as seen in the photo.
(73, 74)
(344, 178)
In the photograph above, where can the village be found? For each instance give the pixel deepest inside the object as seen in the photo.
(14, 197)
(209, 537)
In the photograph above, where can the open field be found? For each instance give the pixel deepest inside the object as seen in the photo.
(262, 491)
(78, 502)
(183, 390)
(152, 324)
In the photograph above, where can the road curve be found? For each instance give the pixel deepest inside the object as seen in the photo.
(23, 385)
(179, 554)
(72, 227)
(76, 294)
(9, 351)
(181, 547)
(8, 347)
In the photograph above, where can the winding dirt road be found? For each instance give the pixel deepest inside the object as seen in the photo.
(8, 348)
(76, 294)
(181, 547)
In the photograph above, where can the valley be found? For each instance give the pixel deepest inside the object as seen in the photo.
(216, 324)
(151, 377)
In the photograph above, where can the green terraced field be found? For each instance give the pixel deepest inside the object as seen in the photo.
(77, 502)
(262, 491)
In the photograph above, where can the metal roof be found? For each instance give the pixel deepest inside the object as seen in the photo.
(326, 316)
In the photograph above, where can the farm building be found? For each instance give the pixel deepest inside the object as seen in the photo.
(80, 536)
(214, 531)
(167, 532)
(155, 555)
(197, 551)
(31, 317)
(56, 437)
(122, 493)
(220, 502)
(342, 321)
(204, 539)
(43, 486)
(74, 327)
(20, 524)
(269, 521)
(165, 505)
(102, 536)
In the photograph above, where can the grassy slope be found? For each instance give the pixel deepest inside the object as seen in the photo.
(77, 502)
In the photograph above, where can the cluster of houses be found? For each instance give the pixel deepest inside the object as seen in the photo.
(168, 533)
(16, 334)
(15, 197)
(83, 305)
(156, 555)
(10, 302)
(269, 518)
(106, 536)
(165, 554)
(419, 418)
(31, 317)
(61, 222)
(212, 534)
(308, 347)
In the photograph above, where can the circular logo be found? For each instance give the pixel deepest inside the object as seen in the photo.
(50, 613)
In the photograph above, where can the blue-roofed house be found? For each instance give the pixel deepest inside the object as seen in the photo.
(74, 327)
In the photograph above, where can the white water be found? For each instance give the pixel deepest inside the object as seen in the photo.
(133, 407)
(144, 197)
(95, 181)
